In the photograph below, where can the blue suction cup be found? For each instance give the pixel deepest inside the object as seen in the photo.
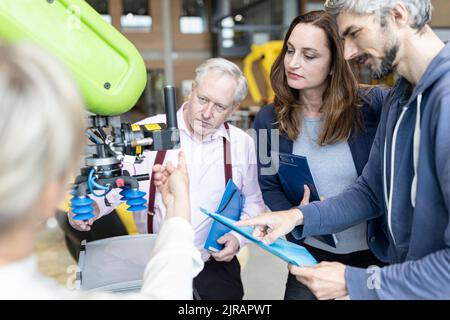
(122, 193)
(82, 208)
(135, 199)
(83, 217)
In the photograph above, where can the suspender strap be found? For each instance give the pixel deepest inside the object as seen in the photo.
(160, 156)
(227, 157)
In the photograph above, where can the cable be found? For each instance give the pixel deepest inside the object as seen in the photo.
(91, 182)
(94, 138)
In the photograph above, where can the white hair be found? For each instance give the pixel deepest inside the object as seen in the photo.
(420, 10)
(226, 67)
(41, 127)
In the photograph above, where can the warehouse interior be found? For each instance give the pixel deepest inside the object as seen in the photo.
(174, 37)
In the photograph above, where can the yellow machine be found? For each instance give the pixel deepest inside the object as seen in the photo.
(265, 54)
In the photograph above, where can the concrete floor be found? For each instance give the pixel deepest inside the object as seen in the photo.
(54, 259)
(263, 274)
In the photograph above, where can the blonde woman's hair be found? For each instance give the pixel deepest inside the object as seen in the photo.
(42, 118)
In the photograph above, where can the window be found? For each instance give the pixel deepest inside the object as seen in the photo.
(194, 17)
(101, 6)
(151, 101)
(240, 23)
(312, 6)
(136, 16)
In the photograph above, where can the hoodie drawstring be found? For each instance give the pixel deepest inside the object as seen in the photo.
(416, 146)
(416, 149)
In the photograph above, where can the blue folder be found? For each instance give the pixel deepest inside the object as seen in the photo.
(294, 173)
(231, 207)
(288, 251)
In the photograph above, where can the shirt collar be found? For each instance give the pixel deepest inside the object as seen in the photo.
(222, 132)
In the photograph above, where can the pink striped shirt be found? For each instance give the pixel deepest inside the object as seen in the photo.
(206, 176)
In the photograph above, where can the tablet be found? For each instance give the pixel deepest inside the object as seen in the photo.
(290, 252)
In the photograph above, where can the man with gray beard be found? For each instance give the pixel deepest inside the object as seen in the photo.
(407, 178)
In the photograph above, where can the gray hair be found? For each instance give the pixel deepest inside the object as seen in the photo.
(41, 128)
(420, 10)
(226, 67)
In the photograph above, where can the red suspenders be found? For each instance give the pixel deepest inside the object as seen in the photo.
(160, 156)
(227, 157)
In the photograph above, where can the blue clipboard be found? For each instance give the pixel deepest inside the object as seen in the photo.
(288, 251)
(294, 173)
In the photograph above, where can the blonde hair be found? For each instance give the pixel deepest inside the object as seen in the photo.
(41, 127)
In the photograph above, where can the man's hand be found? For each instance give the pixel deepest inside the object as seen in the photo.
(326, 280)
(83, 226)
(272, 225)
(231, 248)
(173, 183)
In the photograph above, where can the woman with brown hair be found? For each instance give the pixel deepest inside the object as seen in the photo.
(321, 113)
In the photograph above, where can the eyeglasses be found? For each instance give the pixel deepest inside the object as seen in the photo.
(204, 102)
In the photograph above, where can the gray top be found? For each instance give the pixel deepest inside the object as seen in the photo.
(333, 171)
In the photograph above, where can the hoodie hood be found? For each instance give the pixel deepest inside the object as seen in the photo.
(437, 68)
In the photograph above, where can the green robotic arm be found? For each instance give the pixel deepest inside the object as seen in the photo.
(111, 76)
(106, 66)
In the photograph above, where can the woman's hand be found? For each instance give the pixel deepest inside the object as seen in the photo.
(307, 195)
(173, 183)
